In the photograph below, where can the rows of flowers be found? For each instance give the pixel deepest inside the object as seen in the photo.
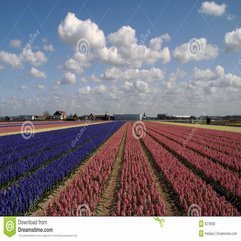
(59, 146)
(228, 180)
(21, 195)
(138, 194)
(87, 186)
(189, 188)
(211, 151)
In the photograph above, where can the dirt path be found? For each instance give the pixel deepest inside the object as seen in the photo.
(106, 204)
(162, 186)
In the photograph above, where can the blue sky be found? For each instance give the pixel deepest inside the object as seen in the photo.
(137, 57)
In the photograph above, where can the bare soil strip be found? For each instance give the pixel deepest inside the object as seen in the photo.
(106, 205)
(235, 201)
(163, 186)
(39, 208)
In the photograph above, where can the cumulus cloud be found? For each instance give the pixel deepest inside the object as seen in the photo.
(15, 43)
(120, 48)
(48, 47)
(72, 29)
(156, 43)
(195, 50)
(40, 87)
(200, 74)
(77, 63)
(37, 73)
(10, 59)
(114, 73)
(35, 58)
(177, 75)
(87, 90)
(126, 51)
(142, 86)
(212, 8)
(69, 78)
(216, 78)
(233, 40)
(27, 55)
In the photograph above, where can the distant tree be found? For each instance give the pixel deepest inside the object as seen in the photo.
(75, 116)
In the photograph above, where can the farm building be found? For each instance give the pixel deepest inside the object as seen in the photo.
(60, 115)
(128, 117)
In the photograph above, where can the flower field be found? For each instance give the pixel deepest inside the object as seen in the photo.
(113, 169)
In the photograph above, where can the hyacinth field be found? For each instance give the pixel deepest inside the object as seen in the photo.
(121, 169)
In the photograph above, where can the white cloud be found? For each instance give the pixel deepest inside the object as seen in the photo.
(34, 58)
(199, 74)
(15, 43)
(152, 74)
(69, 78)
(156, 43)
(27, 55)
(40, 87)
(77, 63)
(37, 73)
(10, 59)
(177, 75)
(195, 50)
(212, 8)
(100, 89)
(142, 86)
(128, 86)
(127, 52)
(48, 47)
(72, 29)
(85, 90)
(123, 48)
(216, 78)
(124, 37)
(233, 40)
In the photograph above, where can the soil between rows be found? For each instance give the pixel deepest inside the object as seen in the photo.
(106, 205)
